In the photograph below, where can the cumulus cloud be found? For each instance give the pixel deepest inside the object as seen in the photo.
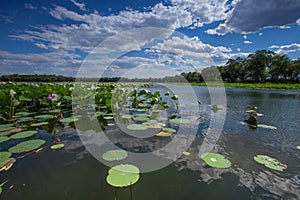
(252, 15)
(285, 49)
(81, 6)
(247, 42)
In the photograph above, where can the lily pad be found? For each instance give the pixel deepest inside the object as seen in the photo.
(137, 127)
(126, 116)
(164, 134)
(215, 160)
(269, 162)
(266, 126)
(123, 175)
(162, 119)
(54, 111)
(186, 153)
(180, 121)
(4, 155)
(12, 130)
(5, 127)
(24, 113)
(24, 134)
(57, 146)
(7, 164)
(26, 146)
(108, 117)
(68, 120)
(43, 116)
(3, 138)
(113, 155)
(170, 130)
(39, 124)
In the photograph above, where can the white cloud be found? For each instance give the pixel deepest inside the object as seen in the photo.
(252, 15)
(247, 42)
(6, 19)
(298, 21)
(30, 6)
(81, 6)
(285, 49)
(238, 49)
(245, 37)
(260, 34)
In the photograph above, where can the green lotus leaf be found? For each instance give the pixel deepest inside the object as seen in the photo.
(126, 116)
(24, 134)
(99, 113)
(4, 155)
(186, 153)
(162, 119)
(113, 155)
(269, 162)
(26, 146)
(164, 134)
(12, 130)
(110, 124)
(180, 121)
(215, 160)
(3, 138)
(7, 164)
(43, 116)
(24, 113)
(39, 124)
(123, 175)
(57, 146)
(171, 130)
(54, 111)
(108, 117)
(137, 118)
(137, 127)
(25, 119)
(266, 126)
(5, 127)
(68, 120)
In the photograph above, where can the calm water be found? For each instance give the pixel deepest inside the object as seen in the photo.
(72, 173)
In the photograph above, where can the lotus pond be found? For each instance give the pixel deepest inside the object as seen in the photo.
(44, 153)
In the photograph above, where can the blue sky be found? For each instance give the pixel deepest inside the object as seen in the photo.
(55, 37)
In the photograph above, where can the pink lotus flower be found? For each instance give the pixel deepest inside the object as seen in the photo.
(52, 97)
(3, 83)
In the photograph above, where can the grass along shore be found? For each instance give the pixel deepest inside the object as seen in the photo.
(289, 86)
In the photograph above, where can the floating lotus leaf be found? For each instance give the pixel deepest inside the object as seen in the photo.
(186, 153)
(24, 134)
(126, 116)
(137, 118)
(108, 117)
(164, 134)
(123, 175)
(4, 155)
(26, 119)
(154, 125)
(298, 147)
(7, 164)
(99, 113)
(171, 130)
(11, 131)
(43, 116)
(137, 127)
(115, 155)
(110, 124)
(5, 127)
(39, 124)
(54, 111)
(269, 162)
(180, 121)
(3, 138)
(162, 119)
(68, 120)
(24, 113)
(266, 126)
(57, 146)
(215, 160)
(26, 146)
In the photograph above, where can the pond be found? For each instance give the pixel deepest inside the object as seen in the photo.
(73, 173)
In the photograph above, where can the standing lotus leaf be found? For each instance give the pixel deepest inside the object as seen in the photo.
(215, 160)
(24, 134)
(113, 155)
(26, 146)
(123, 175)
(270, 162)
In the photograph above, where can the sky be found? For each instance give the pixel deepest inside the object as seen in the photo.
(141, 38)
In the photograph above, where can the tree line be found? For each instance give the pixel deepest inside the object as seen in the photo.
(258, 67)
